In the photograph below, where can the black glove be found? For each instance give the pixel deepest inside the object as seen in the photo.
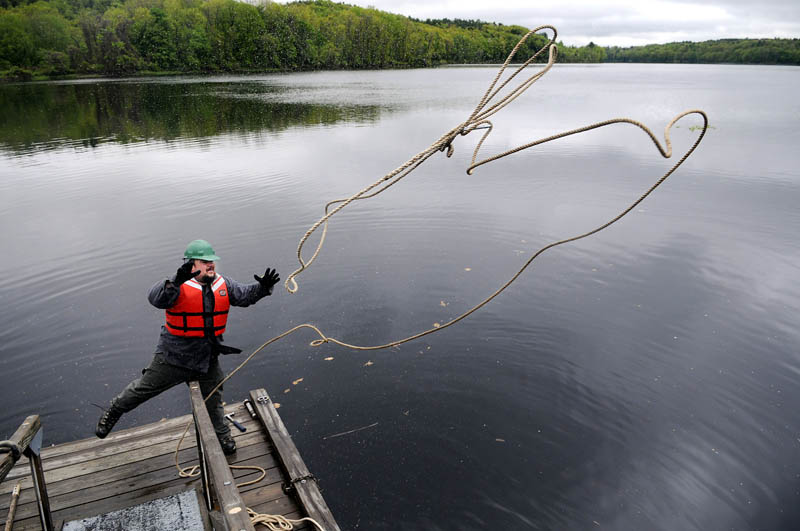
(185, 273)
(269, 279)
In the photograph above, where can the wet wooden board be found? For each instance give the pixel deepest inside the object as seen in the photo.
(302, 482)
(132, 466)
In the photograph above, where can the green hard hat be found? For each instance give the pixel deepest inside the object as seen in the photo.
(200, 250)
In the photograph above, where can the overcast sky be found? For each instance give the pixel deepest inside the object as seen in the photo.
(620, 22)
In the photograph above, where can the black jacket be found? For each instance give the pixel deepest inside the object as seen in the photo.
(196, 353)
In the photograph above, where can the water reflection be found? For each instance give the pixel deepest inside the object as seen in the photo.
(640, 379)
(46, 116)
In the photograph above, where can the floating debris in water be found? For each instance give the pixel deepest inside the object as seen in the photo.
(367, 364)
(329, 358)
(286, 390)
(349, 431)
(297, 381)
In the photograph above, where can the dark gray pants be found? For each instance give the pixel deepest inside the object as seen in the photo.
(160, 376)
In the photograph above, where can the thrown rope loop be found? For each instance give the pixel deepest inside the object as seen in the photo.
(444, 143)
(477, 120)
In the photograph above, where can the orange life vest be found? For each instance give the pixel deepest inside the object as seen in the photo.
(187, 318)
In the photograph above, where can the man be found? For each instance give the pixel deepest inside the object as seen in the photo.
(196, 302)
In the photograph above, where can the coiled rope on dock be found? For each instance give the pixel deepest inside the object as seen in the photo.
(478, 119)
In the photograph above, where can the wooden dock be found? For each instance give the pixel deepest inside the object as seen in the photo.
(137, 465)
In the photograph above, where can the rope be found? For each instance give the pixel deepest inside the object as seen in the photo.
(274, 522)
(277, 522)
(12, 448)
(194, 470)
(478, 119)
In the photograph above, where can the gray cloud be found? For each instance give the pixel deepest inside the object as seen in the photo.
(625, 23)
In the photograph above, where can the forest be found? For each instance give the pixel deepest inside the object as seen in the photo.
(57, 38)
(737, 51)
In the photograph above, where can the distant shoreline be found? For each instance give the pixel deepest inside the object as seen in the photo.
(53, 39)
(140, 75)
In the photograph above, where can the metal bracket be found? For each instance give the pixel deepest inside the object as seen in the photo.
(263, 399)
(292, 485)
(37, 474)
(35, 446)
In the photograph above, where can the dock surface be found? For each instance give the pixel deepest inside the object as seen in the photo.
(137, 465)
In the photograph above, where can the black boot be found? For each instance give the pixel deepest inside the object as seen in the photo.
(107, 420)
(228, 444)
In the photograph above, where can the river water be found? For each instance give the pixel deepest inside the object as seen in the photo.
(645, 378)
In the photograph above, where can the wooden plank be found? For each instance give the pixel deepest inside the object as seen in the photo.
(95, 464)
(91, 476)
(115, 437)
(22, 438)
(299, 476)
(230, 501)
(89, 493)
(132, 473)
(187, 457)
(98, 452)
(151, 431)
(129, 471)
(102, 448)
(94, 493)
(105, 494)
(263, 493)
(142, 433)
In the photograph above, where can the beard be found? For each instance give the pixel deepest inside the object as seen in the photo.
(207, 277)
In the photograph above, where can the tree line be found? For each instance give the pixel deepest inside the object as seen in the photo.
(122, 37)
(738, 51)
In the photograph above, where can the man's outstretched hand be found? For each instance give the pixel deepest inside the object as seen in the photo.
(185, 273)
(269, 279)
